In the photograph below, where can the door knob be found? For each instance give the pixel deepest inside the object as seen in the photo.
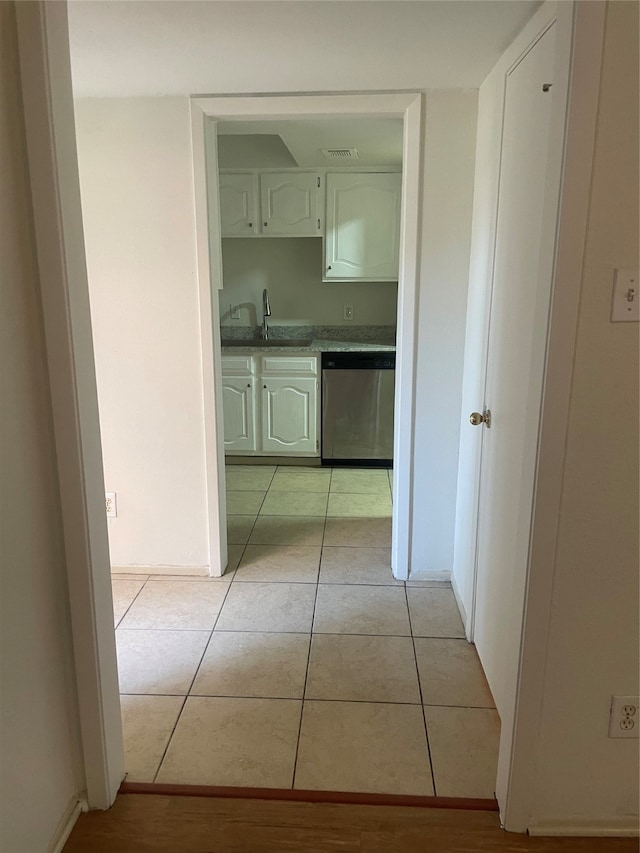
(476, 418)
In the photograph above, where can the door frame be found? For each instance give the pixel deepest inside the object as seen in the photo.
(578, 53)
(581, 29)
(405, 106)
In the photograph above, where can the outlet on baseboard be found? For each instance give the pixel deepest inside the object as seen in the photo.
(110, 504)
(624, 720)
(347, 312)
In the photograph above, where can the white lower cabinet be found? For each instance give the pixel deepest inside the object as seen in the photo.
(238, 404)
(271, 405)
(289, 416)
(239, 414)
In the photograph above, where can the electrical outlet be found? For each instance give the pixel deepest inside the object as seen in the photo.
(347, 312)
(110, 504)
(624, 720)
(234, 312)
(625, 305)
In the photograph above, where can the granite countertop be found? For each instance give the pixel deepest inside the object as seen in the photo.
(316, 345)
(312, 339)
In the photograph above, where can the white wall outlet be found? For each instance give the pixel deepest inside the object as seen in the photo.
(347, 312)
(624, 720)
(625, 305)
(110, 504)
(234, 312)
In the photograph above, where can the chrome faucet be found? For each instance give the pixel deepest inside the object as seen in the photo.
(266, 312)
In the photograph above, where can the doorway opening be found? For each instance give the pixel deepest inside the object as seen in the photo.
(308, 633)
(308, 307)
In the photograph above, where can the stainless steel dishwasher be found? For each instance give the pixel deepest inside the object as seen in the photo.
(358, 391)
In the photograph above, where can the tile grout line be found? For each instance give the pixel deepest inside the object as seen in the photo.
(424, 713)
(304, 686)
(313, 617)
(144, 583)
(175, 725)
(320, 633)
(255, 520)
(195, 674)
(314, 699)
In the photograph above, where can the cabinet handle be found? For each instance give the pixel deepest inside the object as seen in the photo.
(248, 385)
(265, 224)
(318, 224)
(250, 224)
(264, 386)
(318, 182)
(329, 267)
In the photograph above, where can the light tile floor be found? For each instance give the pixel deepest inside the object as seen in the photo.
(307, 665)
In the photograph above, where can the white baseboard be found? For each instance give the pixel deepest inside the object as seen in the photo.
(429, 577)
(198, 571)
(615, 827)
(67, 822)
(461, 607)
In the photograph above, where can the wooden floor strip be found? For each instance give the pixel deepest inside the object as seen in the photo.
(176, 824)
(290, 795)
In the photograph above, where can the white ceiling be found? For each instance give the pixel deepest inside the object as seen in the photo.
(377, 141)
(184, 47)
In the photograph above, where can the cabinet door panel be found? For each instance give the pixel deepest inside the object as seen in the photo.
(289, 416)
(238, 197)
(289, 204)
(363, 226)
(239, 415)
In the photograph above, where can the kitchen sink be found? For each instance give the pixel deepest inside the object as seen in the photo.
(258, 342)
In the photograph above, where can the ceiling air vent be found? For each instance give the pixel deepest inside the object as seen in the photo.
(340, 153)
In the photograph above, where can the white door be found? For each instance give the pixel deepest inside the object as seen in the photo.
(289, 416)
(515, 362)
(239, 414)
(363, 227)
(289, 202)
(238, 204)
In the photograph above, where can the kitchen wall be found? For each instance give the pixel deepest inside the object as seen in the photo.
(291, 269)
(585, 779)
(41, 773)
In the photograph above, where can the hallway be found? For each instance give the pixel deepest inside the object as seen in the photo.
(307, 665)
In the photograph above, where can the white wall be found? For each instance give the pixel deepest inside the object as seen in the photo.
(584, 778)
(291, 269)
(138, 212)
(137, 198)
(40, 767)
(450, 131)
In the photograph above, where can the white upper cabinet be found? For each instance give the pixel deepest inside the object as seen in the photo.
(291, 204)
(363, 227)
(271, 204)
(239, 213)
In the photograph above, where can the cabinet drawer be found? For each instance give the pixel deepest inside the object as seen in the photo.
(286, 365)
(237, 365)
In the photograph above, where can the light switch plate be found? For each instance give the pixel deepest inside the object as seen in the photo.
(625, 306)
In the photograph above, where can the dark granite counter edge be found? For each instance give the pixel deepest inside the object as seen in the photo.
(318, 346)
